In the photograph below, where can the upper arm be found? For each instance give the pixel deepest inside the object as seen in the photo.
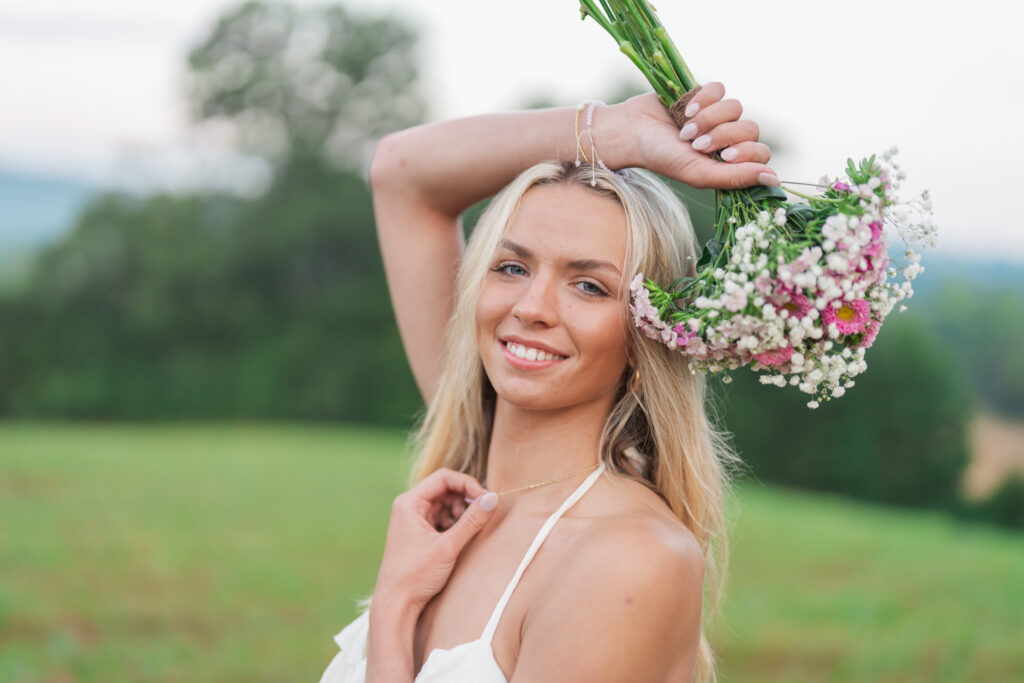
(421, 247)
(624, 608)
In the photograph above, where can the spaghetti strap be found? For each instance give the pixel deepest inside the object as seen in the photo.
(492, 623)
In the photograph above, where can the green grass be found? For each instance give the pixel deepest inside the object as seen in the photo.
(827, 589)
(234, 552)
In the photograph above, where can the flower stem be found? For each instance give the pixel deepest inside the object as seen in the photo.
(809, 197)
(655, 78)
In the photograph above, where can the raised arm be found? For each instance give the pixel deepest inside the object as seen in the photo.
(423, 178)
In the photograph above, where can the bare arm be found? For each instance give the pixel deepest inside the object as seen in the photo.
(389, 642)
(424, 177)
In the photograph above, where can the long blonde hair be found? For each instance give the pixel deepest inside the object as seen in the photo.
(659, 431)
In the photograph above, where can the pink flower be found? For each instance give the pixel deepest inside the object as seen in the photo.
(796, 303)
(851, 317)
(876, 231)
(877, 244)
(684, 334)
(874, 249)
(841, 186)
(870, 332)
(775, 356)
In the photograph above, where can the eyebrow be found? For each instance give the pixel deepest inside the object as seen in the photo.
(576, 264)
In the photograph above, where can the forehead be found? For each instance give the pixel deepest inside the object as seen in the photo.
(568, 221)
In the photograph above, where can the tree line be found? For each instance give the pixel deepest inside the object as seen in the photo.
(215, 306)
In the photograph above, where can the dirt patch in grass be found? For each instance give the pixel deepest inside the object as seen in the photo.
(997, 450)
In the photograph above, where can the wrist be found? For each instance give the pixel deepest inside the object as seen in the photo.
(612, 136)
(392, 632)
(394, 607)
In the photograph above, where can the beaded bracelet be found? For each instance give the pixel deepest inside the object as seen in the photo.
(590, 135)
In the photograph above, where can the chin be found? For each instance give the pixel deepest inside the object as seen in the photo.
(537, 397)
(544, 396)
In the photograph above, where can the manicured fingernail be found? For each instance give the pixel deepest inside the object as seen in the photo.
(729, 154)
(489, 501)
(688, 131)
(691, 109)
(703, 142)
(769, 179)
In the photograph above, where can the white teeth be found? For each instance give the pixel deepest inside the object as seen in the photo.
(529, 353)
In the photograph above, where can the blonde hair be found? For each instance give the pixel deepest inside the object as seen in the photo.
(658, 432)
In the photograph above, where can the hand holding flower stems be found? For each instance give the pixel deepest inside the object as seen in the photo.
(654, 140)
(798, 289)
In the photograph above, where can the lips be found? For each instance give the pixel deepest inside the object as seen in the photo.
(530, 344)
(523, 357)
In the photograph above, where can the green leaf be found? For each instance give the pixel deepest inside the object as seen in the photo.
(711, 251)
(800, 215)
(760, 193)
(680, 283)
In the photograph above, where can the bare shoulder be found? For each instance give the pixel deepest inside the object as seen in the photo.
(646, 550)
(641, 520)
(626, 603)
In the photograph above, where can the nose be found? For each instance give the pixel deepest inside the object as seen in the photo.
(538, 303)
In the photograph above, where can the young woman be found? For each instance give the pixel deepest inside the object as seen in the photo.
(542, 395)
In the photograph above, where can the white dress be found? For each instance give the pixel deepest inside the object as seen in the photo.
(472, 661)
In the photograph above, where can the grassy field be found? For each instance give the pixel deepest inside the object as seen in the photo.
(234, 552)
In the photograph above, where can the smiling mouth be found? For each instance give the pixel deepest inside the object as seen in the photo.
(530, 353)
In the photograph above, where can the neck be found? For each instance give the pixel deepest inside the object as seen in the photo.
(531, 446)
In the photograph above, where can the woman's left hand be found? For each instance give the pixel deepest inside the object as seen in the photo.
(640, 132)
(430, 525)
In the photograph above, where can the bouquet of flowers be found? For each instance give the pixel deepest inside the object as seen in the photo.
(797, 290)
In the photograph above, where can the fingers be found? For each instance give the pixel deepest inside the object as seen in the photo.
(735, 176)
(747, 151)
(458, 508)
(445, 480)
(446, 511)
(726, 134)
(442, 496)
(472, 521)
(714, 115)
(708, 94)
(714, 126)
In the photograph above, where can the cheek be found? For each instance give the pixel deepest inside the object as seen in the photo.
(489, 310)
(606, 336)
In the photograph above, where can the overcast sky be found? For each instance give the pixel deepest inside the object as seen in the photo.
(91, 88)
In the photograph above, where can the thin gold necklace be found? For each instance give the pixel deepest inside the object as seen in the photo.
(552, 481)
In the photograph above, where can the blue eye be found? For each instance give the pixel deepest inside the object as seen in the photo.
(510, 269)
(591, 288)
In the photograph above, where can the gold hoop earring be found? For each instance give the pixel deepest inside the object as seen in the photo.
(634, 383)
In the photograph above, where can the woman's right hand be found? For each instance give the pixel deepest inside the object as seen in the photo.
(645, 135)
(430, 525)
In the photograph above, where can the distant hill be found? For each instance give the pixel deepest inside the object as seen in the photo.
(35, 210)
(940, 270)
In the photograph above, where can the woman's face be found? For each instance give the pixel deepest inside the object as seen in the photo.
(551, 325)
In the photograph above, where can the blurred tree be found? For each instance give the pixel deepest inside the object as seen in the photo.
(898, 436)
(982, 329)
(1005, 506)
(290, 81)
(211, 306)
(207, 305)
